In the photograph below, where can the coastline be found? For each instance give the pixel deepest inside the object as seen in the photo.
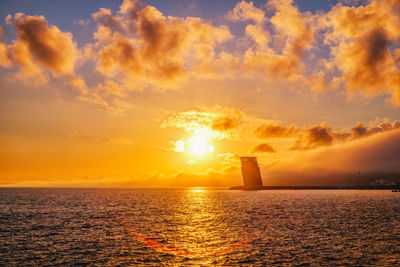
(318, 187)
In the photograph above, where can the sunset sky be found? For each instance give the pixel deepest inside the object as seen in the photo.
(172, 93)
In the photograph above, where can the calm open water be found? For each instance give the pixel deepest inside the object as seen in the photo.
(210, 227)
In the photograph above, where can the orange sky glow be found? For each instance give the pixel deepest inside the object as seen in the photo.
(140, 94)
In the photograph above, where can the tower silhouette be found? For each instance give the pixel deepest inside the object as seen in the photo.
(251, 172)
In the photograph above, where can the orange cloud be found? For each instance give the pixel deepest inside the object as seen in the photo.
(323, 135)
(319, 135)
(360, 130)
(294, 25)
(5, 59)
(42, 47)
(139, 47)
(104, 17)
(220, 122)
(282, 58)
(41, 50)
(262, 148)
(360, 40)
(141, 43)
(275, 131)
(246, 11)
(225, 123)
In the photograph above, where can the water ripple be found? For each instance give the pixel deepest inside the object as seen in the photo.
(198, 227)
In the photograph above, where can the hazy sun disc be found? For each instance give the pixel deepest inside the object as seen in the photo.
(198, 145)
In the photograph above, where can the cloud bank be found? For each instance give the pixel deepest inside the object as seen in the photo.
(368, 159)
(349, 47)
(235, 124)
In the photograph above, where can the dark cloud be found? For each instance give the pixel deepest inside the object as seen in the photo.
(48, 46)
(316, 136)
(360, 130)
(377, 45)
(263, 148)
(275, 131)
(323, 135)
(225, 123)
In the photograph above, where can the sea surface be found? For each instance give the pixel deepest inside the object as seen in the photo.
(161, 227)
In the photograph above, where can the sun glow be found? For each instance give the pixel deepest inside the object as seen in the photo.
(197, 145)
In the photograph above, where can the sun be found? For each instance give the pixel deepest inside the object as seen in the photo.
(197, 145)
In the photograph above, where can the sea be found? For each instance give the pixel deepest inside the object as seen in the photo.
(197, 226)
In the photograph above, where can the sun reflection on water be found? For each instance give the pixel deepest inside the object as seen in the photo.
(197, 229)
(197, 189)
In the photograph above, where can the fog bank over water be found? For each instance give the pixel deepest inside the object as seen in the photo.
(368, 159)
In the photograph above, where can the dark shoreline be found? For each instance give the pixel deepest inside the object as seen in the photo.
(318, 187)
